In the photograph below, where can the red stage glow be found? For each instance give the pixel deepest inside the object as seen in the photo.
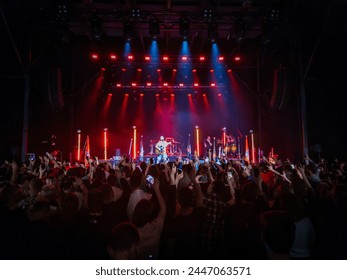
(220, 58)
(110, 94)
(184, 58)
(147, 58)
(130, 57)
(165, 58)
(213, 84)
(165, 84)
(172, 94)
(181, 84)
(229, 70)
(174, 70)
(141, 94)
(139, 70)
(118, 85)
(204, 94)
(94, 56)
(157, 94)
(196, 84)
(149, 84)
(219, 94)
(211, 71)
(194, 70)
(127, 94)
(158, 70)
(103, 69)
(113, 57)
(133, 84)
(189, 95)
(124, 70)
(237, 58)
(202, 58)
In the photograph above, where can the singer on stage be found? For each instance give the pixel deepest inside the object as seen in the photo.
(160, 149)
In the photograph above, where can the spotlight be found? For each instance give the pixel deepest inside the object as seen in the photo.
(96, 30)
(220, 58)
(142, 94)
(202, 58)
(113, 56)
(135, 13)
(154, 28)
(237, 58)
(118, 85)
(147, 58)
(213, 84)
(128, 30)
(139, 70)
(165, 84)
(94, 56)
(149, 84)
(184, 58)
(133, 84)
(212, 31)
(130, 57)
(184, 27)
(196, 84)
(165, 58)
(194, 70)
(181, 84)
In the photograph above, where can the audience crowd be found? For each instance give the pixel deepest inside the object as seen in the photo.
(225, 209)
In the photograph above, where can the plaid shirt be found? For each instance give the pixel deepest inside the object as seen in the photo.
(213, 229)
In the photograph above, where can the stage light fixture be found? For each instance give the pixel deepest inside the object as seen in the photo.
(147, 58)
(211, 70)
(139, 70)
(196, 84)
(149, 84)
(220, 58)
(154, 28)
(184, 27)
(118, 85)
(213, 84)
(184, 58)
(158, 70)
(202, 58)
(96, 30)
(133, 84)
(194, 70)
(181, 84)
(212, 31)
(165, 58)
(128, 30)
(130, 57)
(94, 56)
(165, 84)
(237, 58)
(113, 56)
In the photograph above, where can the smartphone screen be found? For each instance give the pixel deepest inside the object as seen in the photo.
(149, 180)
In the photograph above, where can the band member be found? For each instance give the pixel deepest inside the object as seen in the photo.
(160, 149)
(208, 145)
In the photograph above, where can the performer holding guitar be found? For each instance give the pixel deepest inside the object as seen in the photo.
(160, 149)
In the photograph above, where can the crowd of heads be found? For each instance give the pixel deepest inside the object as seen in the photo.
(185, 209)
